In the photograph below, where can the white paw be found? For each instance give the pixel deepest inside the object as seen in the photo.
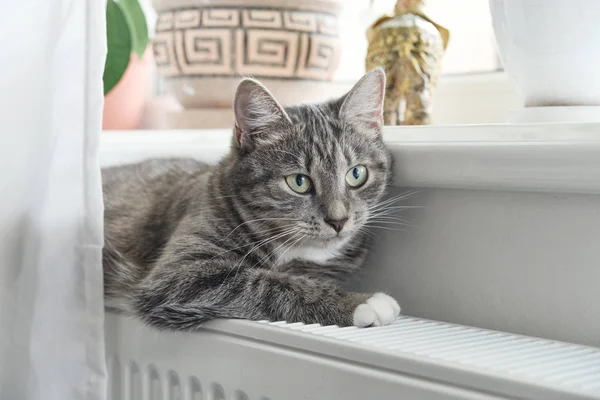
(380, 309)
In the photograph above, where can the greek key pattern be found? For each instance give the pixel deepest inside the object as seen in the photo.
(268, 43)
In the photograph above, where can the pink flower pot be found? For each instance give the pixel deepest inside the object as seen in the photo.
(124, 104)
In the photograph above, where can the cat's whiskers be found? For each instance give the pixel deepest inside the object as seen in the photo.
(391, 200)
(391, 218)
(384, 227)
(272, 230)
(237, 266)
(257, 220)
(269, 239)
(385, 213)
(364, 230)
(392, 209)
(257, 242)
(381, 213)
(388, 220)
(390, 223)
(272, 252)
(389, 226)
(302, 236)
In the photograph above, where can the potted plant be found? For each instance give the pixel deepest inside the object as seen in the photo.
(203, 47)
(128, 60)
(551, 49)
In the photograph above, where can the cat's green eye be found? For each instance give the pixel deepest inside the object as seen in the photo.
(299, 183)
(357, 176)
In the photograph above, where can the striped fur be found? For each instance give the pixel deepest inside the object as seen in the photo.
(187, 243)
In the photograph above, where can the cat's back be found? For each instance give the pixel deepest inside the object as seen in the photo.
(151, 182)
(143, 203)
(147, 199)
(150, 170)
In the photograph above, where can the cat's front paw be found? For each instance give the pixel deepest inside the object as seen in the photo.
(379, 309)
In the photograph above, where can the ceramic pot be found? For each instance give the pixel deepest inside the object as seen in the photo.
(203, 47)
(551, 49)
(124, 104)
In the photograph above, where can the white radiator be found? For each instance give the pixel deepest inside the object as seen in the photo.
(411, 359)
(506, 239)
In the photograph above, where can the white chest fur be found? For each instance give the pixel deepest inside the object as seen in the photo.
(319, 255)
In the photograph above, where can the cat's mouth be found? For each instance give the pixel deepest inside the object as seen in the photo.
(321, 236)
(328, 239)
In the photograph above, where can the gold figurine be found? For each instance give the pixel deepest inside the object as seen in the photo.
(409, 46)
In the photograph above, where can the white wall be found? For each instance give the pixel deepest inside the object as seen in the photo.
(520, 262)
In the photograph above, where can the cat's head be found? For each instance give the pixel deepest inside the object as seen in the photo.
(315, 171)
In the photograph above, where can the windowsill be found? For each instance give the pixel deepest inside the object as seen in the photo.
(478, 98)
(475, 98)
(485, 98)
(557, 157)
(540, 157)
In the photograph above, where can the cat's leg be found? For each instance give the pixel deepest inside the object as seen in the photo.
(179, 298)
(339, 272)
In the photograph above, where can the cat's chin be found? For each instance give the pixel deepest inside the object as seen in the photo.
(329, 241)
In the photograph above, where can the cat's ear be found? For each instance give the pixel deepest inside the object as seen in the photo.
(259, 118)
(363, 105)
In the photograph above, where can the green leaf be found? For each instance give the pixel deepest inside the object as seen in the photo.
(119, 43)
(137, 24)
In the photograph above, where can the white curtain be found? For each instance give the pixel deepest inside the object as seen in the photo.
(51, 308)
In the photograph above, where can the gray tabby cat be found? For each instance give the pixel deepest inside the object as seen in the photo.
(270, 233)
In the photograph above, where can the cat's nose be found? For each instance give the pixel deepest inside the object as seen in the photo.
(337, 224)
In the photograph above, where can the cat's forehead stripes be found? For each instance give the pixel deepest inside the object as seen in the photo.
(319, 134)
